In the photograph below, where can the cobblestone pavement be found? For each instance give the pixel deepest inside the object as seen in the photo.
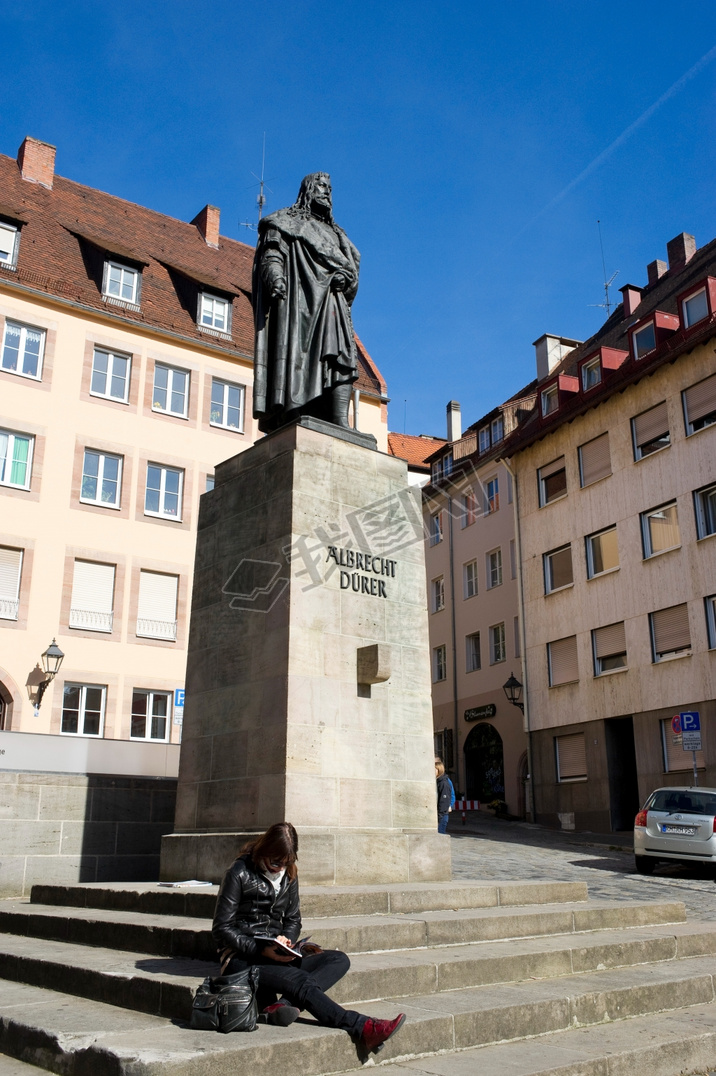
(488, 849)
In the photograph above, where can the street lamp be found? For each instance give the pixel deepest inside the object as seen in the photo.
(513, 691)
(51, 661)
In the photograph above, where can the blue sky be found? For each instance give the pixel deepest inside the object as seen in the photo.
(454, 133)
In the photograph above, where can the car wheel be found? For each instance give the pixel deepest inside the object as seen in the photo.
(644, 864)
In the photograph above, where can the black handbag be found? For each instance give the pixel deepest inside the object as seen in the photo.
(227, 1003)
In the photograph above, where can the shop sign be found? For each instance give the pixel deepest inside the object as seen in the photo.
(479, 713)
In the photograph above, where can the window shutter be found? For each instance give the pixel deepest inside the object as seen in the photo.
(552, 468)
(595, 458)
(563, 663)
(105, 276)
(229, 317)
(10, 565)
(571, 756)
(610, 640)
(516, 628)
(561, 568)
(701, 399)
(675, 758)
(157, 597)
(93, 587)
(671, 629)
(651, 425)
(138, 295)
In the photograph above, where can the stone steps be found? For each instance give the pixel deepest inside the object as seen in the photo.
(77, 1036)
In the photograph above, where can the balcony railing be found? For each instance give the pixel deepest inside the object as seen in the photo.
(157, 629)
(90, 620)
(8, 608)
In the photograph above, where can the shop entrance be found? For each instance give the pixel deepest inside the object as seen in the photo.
(621, 768)
(484, 764)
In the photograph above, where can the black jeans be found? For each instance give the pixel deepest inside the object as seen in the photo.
(303, 983)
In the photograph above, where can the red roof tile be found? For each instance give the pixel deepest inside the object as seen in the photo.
(415, 450)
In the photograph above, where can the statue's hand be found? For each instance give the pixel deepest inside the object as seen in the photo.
(278, 289)
(339, 282)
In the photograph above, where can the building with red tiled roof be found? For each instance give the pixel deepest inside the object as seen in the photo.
(416, 451)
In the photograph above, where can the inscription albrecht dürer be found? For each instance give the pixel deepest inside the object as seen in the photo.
(363, 562)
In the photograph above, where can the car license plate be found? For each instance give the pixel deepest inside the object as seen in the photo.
(685, 831)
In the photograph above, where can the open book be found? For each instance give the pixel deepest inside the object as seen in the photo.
(299, 949)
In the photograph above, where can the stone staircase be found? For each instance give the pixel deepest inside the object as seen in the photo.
(514, 979)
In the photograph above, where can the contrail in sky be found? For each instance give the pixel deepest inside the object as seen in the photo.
(678, 85)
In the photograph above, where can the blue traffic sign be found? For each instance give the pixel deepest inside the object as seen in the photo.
(179, 697)
(690, 721)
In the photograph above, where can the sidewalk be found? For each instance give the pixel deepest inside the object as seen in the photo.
(484, 824)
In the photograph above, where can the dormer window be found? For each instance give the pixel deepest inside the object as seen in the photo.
(121, 284)
(591, 374)
(497, 429)
(644, 341)
(213, 312)
(484, 439)
(8, 245)
(695, 307)
(650, 334)
(550, 400)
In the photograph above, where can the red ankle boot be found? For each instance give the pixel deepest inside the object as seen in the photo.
(376, 1032)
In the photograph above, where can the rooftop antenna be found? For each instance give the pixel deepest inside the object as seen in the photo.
(260, 197)
(607, 304)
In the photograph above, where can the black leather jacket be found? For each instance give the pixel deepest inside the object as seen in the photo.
(248, 904)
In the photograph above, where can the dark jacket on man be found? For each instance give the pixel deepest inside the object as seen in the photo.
(248, 904)
(444, 795)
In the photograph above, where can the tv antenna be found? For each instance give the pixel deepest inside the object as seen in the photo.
(260, 197)
(607, 304)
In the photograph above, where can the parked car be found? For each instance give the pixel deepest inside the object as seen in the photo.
(676, 823)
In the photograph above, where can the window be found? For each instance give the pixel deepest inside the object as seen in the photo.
(492, 496)
(110, 375)
(594, 460)
(439, 663)
(494, 568)
(15, 459)
(660, 530)
(557, 569)
(10, 572)
(472, 652)
(469, 509)
(483, 438)
(700, 405)
(513, 559)
(22, 350)
(497, 644)
(213, 313)
(644, 341)
(164, 491)
(609, 647)
(675, 759)
(83, 709)
(227, 405)
(650, 431)
(8, 244)
(121, 284)
(92, 596)
(550, 400)
(436, 528)
(552, 481)
(602, 552)
(157, 608)
(171, 390)
(705, 505)
(591, 374)
(571, 757)
(101, 479)
(210, 482)
(509, 488)
(497, 430)
(150, 713)
(710, 604)
(670, 635)
(469, 579)
(516, 633)
(695, 308)
(438, 594)
(562, 661)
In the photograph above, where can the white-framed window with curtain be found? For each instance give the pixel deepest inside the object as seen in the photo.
(92, 602)
(23, 348)
(163, 493)
(170, 395)
(157, 606)
(83, 707)
(8, 244)
(16, 459)
(214, 312)
(498, 650)
(10, 575)
(472, 652)
(101, 479)
(469, 579)
(494, 568)
(151, 715)
(227, 405)
(121, 283)
(110, 375)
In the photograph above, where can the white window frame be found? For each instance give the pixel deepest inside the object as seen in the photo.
(208, 306)
(639, 332)
(162, 513)
(688, 299)
(705, 511)
(549, 399)
(469, 569)
(667, 655)
(469, 509)
(150, 696)
(126, 275)
(646, 538)
(587, 369)
(710, 608)
(492, 495)
(439, 663)
(543, 501)
(438, 593)
(12, 436)
(10, 606)
(13, 231)
(497, 430)
(22, 350)
(172, 373)
(591, 572)
(498, 644)
(483, 437)
(94, 618)
(691, 428)
(152, 627)
(82, 712)
(223, 423)
(599, 668)
(639, 453)
(112, 356)
(436, 528)
(473, 656)
(103, 457)
(493, 562)
(549, 587)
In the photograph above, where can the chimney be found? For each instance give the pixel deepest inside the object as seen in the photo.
(655, 270)
(207, 221)
(550, 352)
(454, 421)
(631, 297)
(36, 161)
(680, 250)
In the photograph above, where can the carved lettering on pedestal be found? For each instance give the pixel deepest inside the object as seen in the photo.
(362, 562)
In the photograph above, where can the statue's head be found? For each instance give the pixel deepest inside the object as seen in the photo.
(314, 196)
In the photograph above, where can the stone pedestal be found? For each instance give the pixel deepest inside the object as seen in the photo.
(308, 675)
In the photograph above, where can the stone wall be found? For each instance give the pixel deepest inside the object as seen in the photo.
(74, 827)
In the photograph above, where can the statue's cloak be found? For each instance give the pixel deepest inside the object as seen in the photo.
(305, 342)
